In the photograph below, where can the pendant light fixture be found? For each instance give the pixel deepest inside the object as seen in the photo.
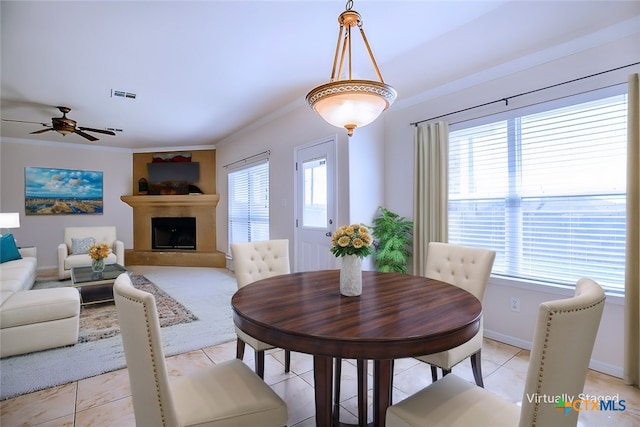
(350, 103)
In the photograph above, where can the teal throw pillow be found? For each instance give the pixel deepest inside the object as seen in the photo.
(81, 246)
(8, 249)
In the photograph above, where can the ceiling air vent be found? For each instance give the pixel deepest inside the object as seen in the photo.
(122, 94)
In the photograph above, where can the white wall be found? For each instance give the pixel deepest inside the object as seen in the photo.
(366, 177)
(47, 231)
(516, 328)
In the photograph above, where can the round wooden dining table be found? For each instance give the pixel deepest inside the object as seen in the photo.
(397, 316)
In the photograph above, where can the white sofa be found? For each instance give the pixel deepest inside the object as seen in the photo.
(33, 320)
(67, 259)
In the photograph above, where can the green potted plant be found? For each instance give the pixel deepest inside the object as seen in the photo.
(393, 237)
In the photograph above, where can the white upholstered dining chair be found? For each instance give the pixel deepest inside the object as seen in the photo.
(469, 269)
(254, 261)
(225, 394)
(562, 345)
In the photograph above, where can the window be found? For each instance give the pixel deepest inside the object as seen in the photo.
(546, 191)
(249, 203)
(314, 209)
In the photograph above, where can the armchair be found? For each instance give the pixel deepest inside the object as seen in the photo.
(73, 252)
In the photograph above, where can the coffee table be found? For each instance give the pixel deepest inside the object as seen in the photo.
(85, 279)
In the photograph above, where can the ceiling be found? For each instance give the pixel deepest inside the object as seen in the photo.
(203, 70)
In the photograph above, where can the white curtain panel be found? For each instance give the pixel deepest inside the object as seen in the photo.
(632, 269)
(431, 190)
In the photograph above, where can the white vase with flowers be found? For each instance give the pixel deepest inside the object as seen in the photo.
(351, 243)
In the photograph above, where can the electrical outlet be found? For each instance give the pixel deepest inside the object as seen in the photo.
(515, 304)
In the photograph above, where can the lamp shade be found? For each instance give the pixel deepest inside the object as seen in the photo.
(351, 103)
(10, 220)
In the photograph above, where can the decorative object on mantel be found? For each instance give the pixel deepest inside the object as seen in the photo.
(50, 191)
(169, 188)
(351, 243)
(143, 186)
(171, 157)
(350, 103)
(98, 252)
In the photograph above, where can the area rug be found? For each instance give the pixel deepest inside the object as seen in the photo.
(98, 321)
(204, 292)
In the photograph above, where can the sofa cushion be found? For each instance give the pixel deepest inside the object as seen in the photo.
(18, 275)
(4, 295)
(28, 263)
(41, 305)
(84, 260)
(8, 249)
(81, 246)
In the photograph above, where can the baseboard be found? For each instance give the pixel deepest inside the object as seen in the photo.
(596, 365)
(606, 368)
(507, 339)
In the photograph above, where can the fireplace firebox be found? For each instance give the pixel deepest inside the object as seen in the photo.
(173, 233)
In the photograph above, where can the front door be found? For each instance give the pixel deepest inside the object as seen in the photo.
(315, 205)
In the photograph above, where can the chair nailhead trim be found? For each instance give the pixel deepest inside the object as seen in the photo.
(544, 351)
(155, 368)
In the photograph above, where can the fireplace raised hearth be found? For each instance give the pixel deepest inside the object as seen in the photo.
(173, 233)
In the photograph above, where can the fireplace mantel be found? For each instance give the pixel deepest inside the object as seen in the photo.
(172, 200)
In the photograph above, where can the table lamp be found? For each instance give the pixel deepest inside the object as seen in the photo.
(9, 220)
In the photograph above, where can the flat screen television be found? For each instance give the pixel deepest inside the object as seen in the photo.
(174, 171)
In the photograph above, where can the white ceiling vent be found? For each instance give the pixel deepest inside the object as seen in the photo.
(122, 94)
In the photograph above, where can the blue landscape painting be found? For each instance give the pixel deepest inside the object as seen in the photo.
(51, 191)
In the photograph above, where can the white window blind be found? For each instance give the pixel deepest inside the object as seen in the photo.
(546, 191)
(249, 202)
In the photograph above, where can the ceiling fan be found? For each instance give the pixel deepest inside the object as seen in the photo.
(65, 126)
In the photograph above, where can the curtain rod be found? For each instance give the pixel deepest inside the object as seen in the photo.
(268, 152)
(506, 99)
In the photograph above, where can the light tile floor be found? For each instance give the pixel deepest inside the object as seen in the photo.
(105, 400)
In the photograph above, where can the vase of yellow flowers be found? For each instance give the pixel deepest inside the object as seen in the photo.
(98, 252)
(351, 243)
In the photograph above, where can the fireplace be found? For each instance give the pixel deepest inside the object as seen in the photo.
(171, 233)
(202, 207)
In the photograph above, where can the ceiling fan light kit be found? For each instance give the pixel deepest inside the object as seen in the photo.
(350, 103)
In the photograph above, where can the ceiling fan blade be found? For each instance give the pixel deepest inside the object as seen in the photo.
(24, 121)
(106, 132)
(41, 131)
(86, 135)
